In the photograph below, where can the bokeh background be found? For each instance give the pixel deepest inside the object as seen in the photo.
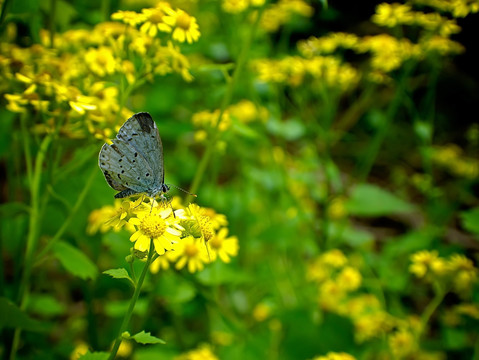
(337, 143)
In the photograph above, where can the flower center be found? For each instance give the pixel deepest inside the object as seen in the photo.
(153, 226)
(206, 228)
(156, 17)
(183, 21)
(216, 242)
(191, 250)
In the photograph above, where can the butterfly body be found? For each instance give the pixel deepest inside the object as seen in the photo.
(133, 163)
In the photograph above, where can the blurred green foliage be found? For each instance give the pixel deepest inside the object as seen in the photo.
(347, 172)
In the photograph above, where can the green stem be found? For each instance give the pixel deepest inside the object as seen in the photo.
(430, 309)
(70, 217)
(226, 101)
(391, 112)
(32, 237)
(133, 300)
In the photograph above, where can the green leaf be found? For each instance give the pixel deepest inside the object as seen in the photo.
(470, 220)
(74, 261)
(146, 338)
(11, 316)
(370, 200)
(120, 273)
(45, 305)
(94, 356)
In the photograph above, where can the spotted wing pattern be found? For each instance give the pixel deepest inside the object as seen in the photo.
(142, 133)
(133, 163)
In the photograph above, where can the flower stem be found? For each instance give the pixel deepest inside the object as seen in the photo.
(133, 300)
(226, 101)
(431, 307)
(32, 237)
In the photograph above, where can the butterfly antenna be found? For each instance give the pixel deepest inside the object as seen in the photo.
(177, 187)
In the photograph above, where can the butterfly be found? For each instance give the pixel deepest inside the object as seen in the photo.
(133, 163)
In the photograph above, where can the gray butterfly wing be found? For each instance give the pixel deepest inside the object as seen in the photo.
(141, 132)
(125, 168)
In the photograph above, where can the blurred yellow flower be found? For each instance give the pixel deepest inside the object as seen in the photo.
(190, 252)
(223, 247)
(101, 61)
(423, 261)
(204, 352)
(185, 26)
(234, 6)
(349, 279)
(155, 20)
(261, 312)
(131, 18)
(402, 343)
(463, 272)
(335, 356)
(391, 15)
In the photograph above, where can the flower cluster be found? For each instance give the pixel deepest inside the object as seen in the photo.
(235, 116)
(83, 76)
(451, 158)
(456, 272)
(335, 356)
(316, 71)
(189, 237)
(282, 12)
(203, 352)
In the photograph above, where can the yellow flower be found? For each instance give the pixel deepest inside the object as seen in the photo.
(204, 352)
(422, 261)
(190, 252)
(261, 312)
(349, 278)
(101, 61)
(335, 356)
(234, 6)
(131, 18)
(155, 20)
(157, 225)
(185, 26)
(161, 263)
(223, 247)
(391, 15)
(402, 343)
(334, 258)
(463, 271)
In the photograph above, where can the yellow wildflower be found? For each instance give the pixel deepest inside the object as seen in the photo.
(131, 18)
(204, 352)
(156, 225)
(223, 247)
(334, 258)
(391, 15)
(234, 6)
(349, 278)
(423, 261)
(402, 343)
(463, 272)
(185, 26)
(190, 252)
(101, 61)
(155, 20)
(335, 356)
(261, 312)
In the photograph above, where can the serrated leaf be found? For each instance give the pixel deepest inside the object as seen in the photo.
(470, 220)
(147, 338)
(371, 200)
(100, 355)
(11, 316)
(120, 273)
(74, 261)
